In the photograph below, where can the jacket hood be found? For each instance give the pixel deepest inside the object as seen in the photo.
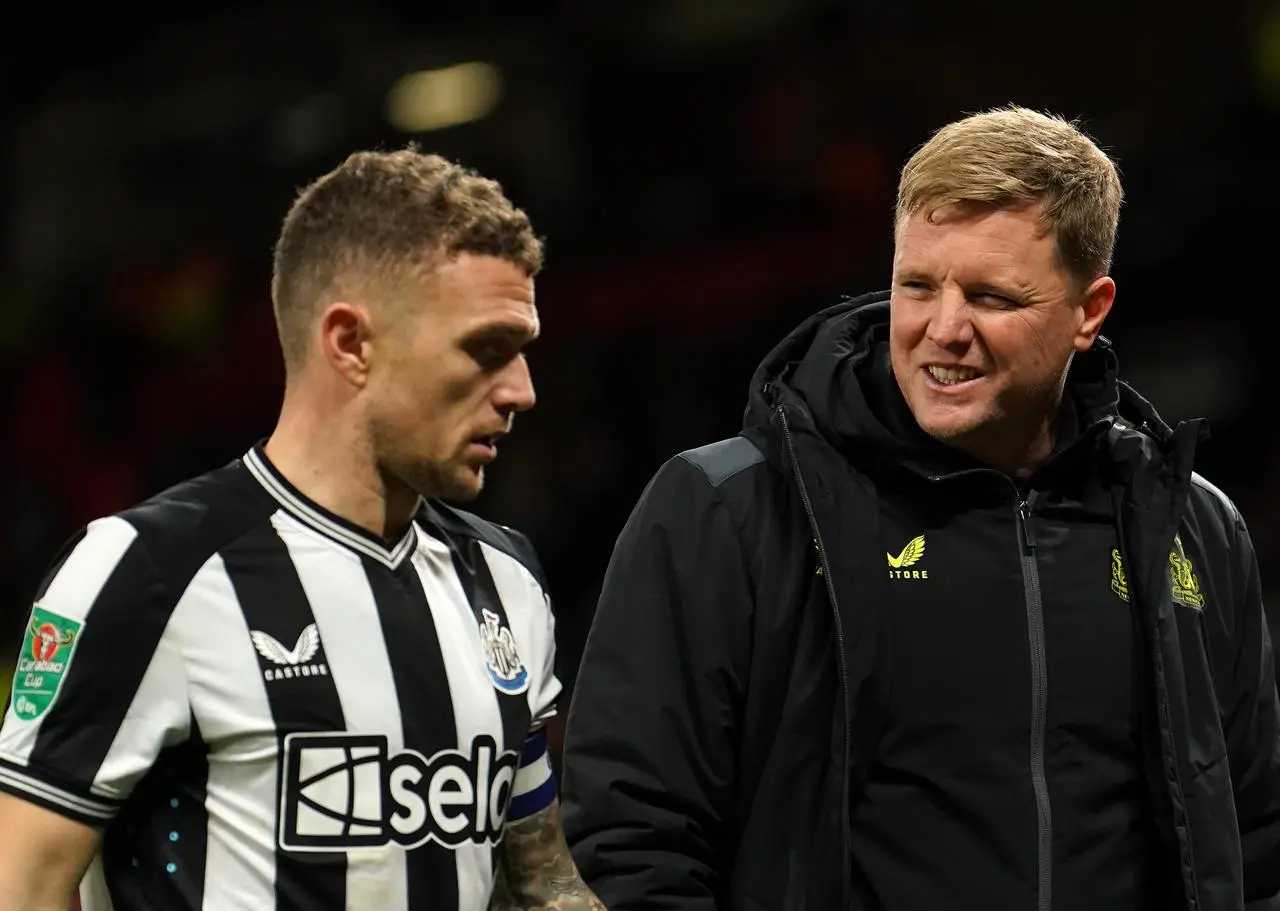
(832, 373)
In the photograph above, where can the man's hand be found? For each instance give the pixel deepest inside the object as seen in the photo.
(536, 872)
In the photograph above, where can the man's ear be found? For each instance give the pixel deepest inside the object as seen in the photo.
(345, 340)
(1094, 307)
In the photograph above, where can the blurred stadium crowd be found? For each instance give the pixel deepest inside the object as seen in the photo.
(706, 173)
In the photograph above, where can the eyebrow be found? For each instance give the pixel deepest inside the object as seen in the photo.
(911, 274)
(1005, 287)
(518, 333)
(1012, 288)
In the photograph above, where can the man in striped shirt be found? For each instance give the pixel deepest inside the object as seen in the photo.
(302, 681)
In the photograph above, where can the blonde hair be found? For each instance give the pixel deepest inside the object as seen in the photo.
(375, 217)
(1011, 157)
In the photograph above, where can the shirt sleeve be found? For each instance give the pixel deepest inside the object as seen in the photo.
(544, 689)
(99, 687)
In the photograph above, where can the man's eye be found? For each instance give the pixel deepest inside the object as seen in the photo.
(491, 355)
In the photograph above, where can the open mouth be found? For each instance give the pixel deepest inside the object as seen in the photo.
(488, 445)
(952, 376)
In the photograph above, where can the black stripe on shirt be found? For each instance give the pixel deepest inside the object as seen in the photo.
(273, 601)
(154, 853)
(482, 594)
(116, 646)
(426, 709)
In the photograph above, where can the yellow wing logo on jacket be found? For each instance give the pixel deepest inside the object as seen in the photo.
(1182, 576)
(909, 556)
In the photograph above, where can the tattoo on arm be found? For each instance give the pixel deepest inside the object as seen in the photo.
(537, 872)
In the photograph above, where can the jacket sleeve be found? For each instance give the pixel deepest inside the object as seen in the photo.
(1253, 737)
(649, 762)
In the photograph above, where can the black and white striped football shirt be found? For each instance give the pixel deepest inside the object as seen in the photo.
(267, 707)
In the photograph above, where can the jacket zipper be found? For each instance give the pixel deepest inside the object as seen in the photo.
(1039, 700)
(839, 628)
(1164, 723)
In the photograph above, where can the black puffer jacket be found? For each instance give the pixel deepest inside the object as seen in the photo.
(737, 704)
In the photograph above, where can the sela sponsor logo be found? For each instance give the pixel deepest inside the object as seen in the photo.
(47, 649)
(501, 659)
(342, 791)
(909, 556)
(290, 662)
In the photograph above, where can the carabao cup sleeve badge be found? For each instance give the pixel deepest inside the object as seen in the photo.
(47, 650)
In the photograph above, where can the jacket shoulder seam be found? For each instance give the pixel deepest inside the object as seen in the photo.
(732, 456)
(1200, 481)
(723, 460)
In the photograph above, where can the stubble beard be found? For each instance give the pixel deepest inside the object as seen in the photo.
(1005, 431)
(432, 479)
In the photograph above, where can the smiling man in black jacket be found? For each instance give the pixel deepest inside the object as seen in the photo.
(952, 624)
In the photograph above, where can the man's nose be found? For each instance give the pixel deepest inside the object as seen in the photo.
(950, 326)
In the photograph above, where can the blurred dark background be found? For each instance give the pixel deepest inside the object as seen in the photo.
(707, 173)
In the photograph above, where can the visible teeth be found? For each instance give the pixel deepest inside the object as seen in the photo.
(949, 375)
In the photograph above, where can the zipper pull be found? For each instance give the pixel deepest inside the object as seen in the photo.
(1024, 513)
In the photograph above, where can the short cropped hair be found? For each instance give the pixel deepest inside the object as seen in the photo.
(1012, 156)
(376, 217)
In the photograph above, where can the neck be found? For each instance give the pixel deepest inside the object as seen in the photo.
(324, 454)
(1019, 454)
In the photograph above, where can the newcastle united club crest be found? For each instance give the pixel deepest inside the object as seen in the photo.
(501, 659)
